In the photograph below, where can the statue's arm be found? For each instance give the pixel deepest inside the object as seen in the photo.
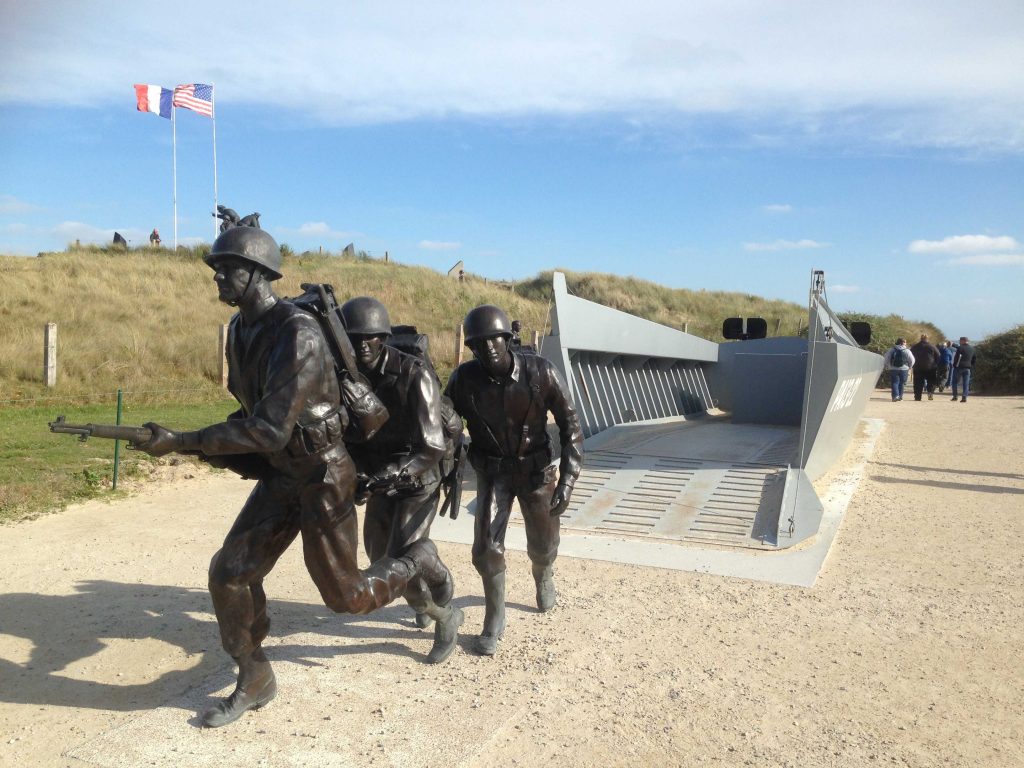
(424, 403)
(294, 378)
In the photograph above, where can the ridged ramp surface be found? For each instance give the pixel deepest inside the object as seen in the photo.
(704, 480)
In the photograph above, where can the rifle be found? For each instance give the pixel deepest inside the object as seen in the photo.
(133, 435)
(367, 411)
(389, 485)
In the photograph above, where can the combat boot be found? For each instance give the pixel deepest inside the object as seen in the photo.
(494, 615)
(446, 632)
(544, 576)
(440, 593)
(255, 688)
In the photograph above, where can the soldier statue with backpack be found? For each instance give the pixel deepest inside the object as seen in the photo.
(296, 401)
(400, 467)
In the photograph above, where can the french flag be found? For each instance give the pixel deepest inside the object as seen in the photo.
(153, 98)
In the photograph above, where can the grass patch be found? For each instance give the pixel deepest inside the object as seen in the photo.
(44, 472)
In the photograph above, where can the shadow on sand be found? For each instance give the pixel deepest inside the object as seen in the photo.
(67, 630)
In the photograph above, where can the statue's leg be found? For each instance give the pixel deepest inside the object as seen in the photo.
(330, 538)
(542, 531)
(267, 524)
(381, 528)
(430, 591)
(377, 527)
(493, 507)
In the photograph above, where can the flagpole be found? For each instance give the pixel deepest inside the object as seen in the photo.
(213, 117)
(174, 174)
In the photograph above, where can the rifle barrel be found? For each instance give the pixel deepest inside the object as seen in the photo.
(134, 435)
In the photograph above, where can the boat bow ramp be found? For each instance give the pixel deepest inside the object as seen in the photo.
(707, 444)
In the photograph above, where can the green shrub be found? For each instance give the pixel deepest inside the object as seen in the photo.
(999, 369)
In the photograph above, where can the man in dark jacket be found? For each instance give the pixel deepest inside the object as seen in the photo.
(926, 363)
(505, 398)
(963, 362)
(400, 464)
(288, 435)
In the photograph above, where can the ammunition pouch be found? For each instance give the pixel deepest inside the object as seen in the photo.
(367, 412)
(311, 439)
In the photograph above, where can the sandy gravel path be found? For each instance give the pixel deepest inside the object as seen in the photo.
(906, 652)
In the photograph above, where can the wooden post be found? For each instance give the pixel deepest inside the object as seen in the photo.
(686, 327)
(222, 349)
(536, 339)
(385, 257)
(50, 354)
(778, 326)
(460, 341)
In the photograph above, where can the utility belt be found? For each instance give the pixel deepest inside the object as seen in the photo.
(311, 439)
(490, 465)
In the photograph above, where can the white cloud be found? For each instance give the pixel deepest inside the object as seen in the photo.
(965, 244)
(439, 245)
(10, 205)
(69, 231)
(785, 245)
(869, 69)
(318, 229)
(988, 260)
(844, 288)
(777, 208)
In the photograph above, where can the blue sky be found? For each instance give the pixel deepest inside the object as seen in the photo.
(726, 146)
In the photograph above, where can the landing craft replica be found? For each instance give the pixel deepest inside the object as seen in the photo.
(695, 441)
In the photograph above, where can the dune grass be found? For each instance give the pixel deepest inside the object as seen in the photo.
(698, 312)
(147, 320)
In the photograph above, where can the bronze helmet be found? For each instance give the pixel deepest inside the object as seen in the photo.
(366, 316)
(248, 244)
(486, 321)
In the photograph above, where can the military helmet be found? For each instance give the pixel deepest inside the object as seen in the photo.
(366, 316)
(248, 244)
(485, 321)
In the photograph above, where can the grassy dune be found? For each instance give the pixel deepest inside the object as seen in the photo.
(147, 320)
(700, 312)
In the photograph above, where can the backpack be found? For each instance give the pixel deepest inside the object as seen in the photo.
(367, 413)
(898, 358)
(407, 339)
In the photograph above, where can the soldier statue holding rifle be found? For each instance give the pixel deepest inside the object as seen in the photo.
(400, 465)
(505, 397)
(287, 434)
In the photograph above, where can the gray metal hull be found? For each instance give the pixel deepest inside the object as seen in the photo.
(710, 444)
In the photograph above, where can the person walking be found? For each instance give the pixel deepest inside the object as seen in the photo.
(963, 363)
(945, 372)
(898, 362)
(926, 364)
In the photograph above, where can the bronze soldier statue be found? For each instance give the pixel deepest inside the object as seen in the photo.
(505, 397)
(400, 466)
(288, 435)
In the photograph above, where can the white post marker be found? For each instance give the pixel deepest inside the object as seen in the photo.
(50, 354)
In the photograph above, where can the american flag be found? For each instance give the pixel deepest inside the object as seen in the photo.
(195, 96)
